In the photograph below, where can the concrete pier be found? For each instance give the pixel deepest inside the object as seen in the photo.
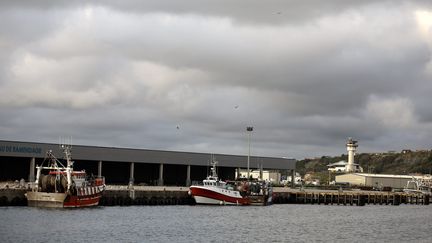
(100, 168)
(132, 173)
(160, 195)
(145, 195)
(32, 169)
(188, 176)
(13, 197)
(161, 180)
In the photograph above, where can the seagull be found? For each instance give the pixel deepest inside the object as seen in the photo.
(235, 107)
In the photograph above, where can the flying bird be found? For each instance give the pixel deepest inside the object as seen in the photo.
(235, 107)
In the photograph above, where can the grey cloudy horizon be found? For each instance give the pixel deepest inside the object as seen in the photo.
(191, 75)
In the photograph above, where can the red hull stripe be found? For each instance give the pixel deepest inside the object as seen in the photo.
(82, 201)
(196, 191)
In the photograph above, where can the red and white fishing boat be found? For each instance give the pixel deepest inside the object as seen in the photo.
(64, 187)
(240, 192)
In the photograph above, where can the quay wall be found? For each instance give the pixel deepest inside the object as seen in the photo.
(122, 196)
(13, 197)
(146, 195)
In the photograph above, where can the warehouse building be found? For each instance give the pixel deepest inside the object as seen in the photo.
(127, 165)
(374, 180)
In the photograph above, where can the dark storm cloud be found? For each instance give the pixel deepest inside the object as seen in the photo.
(249, 11)
(244, 11)
(191, 75)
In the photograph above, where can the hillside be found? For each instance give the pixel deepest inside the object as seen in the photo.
(382, 163)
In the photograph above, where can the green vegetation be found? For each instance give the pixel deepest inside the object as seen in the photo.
(382, 163)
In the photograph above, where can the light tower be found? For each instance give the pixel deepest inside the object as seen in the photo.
(351, 148)
(249, 130)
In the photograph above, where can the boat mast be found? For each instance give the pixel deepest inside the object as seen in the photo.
(68, 156)
(38, 173)
(213, 168)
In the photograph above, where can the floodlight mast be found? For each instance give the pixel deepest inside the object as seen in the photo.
(249, 129)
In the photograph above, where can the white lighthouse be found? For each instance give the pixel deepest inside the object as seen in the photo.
(351, 148)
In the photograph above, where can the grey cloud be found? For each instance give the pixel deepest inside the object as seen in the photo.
(305, 75)
(250, 12)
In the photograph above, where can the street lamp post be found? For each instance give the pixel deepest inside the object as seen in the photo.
(249, 130)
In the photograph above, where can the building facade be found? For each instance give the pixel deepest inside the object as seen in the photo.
(343, 167)
(273, 176)
(374, 180)
(127, 165)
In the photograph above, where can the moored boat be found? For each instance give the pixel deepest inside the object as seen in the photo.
(214, 191)
(418, 186)
(62, 186)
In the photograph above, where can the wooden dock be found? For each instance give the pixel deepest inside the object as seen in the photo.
(357, 198)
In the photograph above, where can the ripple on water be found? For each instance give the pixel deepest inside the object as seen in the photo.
(276, 223)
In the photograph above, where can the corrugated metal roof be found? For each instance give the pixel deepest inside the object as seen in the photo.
(96, 153)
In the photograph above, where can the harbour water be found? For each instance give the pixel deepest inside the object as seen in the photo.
(276, 223)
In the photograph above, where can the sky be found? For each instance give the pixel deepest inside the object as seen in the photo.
(192, 75)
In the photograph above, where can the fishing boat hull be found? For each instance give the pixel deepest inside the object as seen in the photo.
(217, 196)
(240, 192)
(82, 201)
(62, 200)
(45, 199)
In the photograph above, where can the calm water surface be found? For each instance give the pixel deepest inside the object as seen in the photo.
(276, 223)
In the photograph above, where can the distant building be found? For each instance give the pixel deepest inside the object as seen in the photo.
(297, 179)
(342, 167)
(268, 175)
(405, 151)
(315, 182)
(378, 180)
